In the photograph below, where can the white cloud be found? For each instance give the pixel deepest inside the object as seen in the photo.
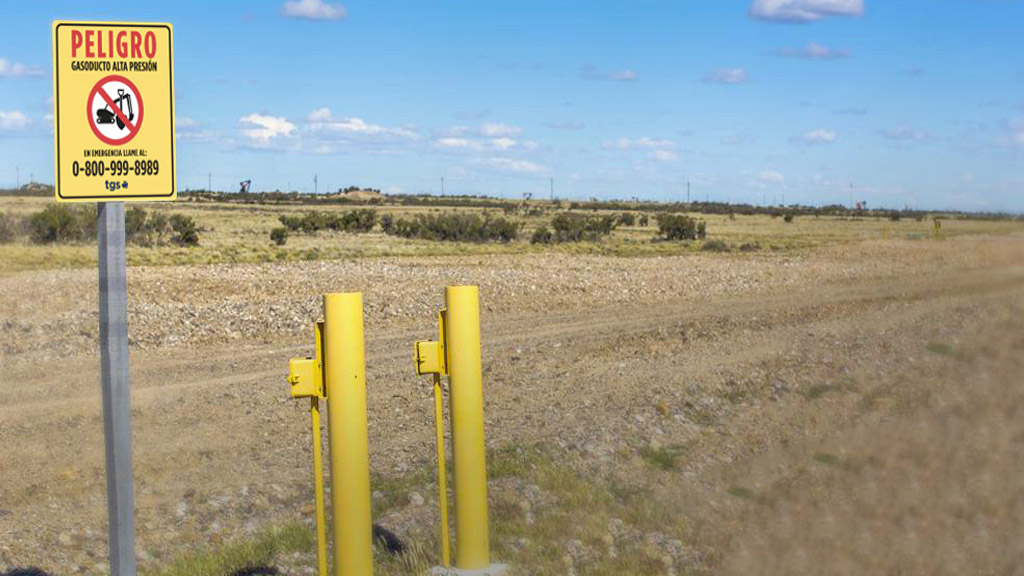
(624, 75)
(323, 122)
(503, 143)
(314, 10)
(814, 51)
(819, 136)
(489, 136)
(319, 114)
(804, 10)
(591, 72)
(186, 128)
(660, 149)
(905, 133)
(264, 129)
(16, 69)
(644, 143)
(726, 76)
(771, 177)
(452, 142)
(461, 143)
(497, 129)
(13, 121)
(514, 165)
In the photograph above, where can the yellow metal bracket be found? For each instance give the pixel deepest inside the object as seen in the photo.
(431, 358)
(306, 375)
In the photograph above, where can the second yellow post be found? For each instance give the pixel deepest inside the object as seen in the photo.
(469, 455)
(345, 374)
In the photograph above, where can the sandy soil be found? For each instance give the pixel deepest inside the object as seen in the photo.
(840, 361)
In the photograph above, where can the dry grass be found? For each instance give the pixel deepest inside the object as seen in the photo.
(262, 550)
(234, 233)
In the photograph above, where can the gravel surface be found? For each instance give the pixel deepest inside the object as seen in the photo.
(198, 305)
(728, 355)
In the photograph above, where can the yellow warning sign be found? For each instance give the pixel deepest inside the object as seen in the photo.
(113, 121)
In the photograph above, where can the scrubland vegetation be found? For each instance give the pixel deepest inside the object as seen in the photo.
(219, 228)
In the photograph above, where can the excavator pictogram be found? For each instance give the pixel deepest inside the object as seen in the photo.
(107, 116)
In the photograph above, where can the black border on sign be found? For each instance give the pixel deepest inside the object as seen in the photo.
(56, 118)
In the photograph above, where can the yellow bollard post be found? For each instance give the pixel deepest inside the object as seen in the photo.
(318, 458)
(442, 476)
(345, 375)
(305, 376)
(318, 487)
(466, 404)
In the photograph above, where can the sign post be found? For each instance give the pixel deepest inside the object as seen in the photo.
(114, 142)
(117, 405)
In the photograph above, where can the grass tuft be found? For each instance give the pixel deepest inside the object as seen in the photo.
(939, 348)
(664, 458)
(259, 551)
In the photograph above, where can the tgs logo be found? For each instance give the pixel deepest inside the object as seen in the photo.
(112, 186)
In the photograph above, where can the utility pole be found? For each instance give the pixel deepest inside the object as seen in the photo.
(315, 183)
(851, 195)
(687, 190)
(552, 188)
(442, 185)
(17, 170)
(209, 181)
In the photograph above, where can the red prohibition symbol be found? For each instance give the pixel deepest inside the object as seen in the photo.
(114, 110)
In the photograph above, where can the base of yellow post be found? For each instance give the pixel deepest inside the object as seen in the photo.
(492, 570)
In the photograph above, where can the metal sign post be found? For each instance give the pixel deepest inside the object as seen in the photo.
(117, 407)
(114, 142)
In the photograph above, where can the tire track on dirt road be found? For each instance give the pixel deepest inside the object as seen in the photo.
(197, 369)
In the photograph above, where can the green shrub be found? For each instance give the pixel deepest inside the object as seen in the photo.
(387, 223)
(627, 219)
(358, 221)
(145, 228)
(571, 227)
(279, 235)
(10, 227)
(185, 231)
(134, 224)
(643, 220)
(312, 222)
(715, 246)
(542, 235)
(894, 216)
(63, 223)
(456, 227)
(788, 218)
(677, 227)
(750, 247)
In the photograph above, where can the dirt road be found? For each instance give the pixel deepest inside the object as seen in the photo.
(805, 351)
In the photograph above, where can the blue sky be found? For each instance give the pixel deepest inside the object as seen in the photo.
(913, 102)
